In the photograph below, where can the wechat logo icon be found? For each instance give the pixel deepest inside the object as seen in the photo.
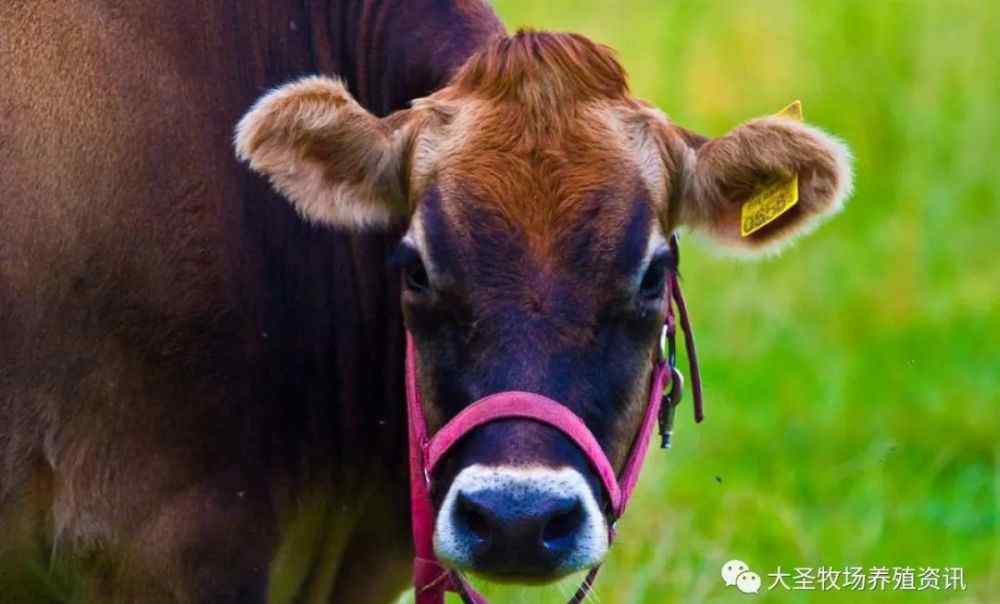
(736, 573)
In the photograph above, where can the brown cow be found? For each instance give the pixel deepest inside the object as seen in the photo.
(201, 393)
(538, 197)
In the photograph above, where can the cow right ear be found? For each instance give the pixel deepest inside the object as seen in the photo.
(337, 163)
(763, 183)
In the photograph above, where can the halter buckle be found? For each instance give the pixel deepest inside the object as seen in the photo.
(668, 343)
(668, 404)
(668, 407)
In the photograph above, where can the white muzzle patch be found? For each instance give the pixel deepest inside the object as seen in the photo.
(454, 547)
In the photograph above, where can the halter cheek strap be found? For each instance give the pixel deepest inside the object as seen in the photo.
(430, 579)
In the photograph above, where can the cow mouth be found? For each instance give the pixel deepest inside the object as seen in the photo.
(536, 580)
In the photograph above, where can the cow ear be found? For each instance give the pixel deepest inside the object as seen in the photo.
(762, 183)
(338, 164)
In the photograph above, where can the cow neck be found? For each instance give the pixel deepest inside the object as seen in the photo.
(430, 578)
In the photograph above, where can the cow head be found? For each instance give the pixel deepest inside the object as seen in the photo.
(539, 197)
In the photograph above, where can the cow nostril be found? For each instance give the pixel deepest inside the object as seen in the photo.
(562, 527)
(474, 518)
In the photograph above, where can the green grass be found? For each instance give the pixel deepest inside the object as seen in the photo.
(851, 383)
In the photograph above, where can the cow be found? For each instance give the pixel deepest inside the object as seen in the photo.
(201, 360)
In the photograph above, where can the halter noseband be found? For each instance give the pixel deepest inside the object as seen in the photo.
(430, 579)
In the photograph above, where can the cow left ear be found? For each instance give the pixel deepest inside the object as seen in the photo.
(762, 183)
(334, 161)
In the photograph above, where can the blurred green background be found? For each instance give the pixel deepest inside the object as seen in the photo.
(851, 383)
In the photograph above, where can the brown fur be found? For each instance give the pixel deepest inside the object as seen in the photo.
(541, 70)
(191, 376)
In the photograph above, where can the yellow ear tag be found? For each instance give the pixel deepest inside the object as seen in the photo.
(774, 199)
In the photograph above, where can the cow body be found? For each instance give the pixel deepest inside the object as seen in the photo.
(198, 389)
(201, 393)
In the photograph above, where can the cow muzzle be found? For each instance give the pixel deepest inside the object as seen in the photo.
(513, 523)
(520, 524)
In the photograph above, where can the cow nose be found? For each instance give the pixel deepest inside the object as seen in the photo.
(518, 534)
(520, 524)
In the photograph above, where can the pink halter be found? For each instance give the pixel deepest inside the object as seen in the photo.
(430, 579)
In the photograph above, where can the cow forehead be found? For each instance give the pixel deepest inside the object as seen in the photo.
(575, 261)
(546, 176)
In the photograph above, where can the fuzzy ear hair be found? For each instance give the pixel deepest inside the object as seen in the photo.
(335, 162)
(721, 175)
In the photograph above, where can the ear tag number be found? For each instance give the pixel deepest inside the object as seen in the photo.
(776, 198)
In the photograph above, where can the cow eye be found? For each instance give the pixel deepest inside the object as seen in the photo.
(655, 278)
(408, 261)
(416, 277)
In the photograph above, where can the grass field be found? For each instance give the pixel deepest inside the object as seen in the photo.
(852, 383)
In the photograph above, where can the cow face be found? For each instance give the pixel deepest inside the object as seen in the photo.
(539, 197)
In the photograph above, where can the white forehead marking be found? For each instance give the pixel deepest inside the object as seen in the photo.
(416, 237)
(650, 159)
(655, 242)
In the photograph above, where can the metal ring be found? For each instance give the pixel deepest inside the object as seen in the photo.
(663, 343)
(668, 343)
(676, 386)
